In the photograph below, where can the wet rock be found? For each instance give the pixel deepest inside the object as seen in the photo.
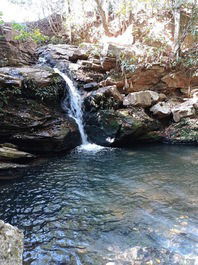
(122, 127)
(35, 127)
(12, 154)
(142, 99)
(8, 145)
(11, 242)
(31, 116)
(62, 52)
(12, 170)
(161, 110)
(34, 82)
(183, 132)
(13, 52)
(90, 86)
(103, 98)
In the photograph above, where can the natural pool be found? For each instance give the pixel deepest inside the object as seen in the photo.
(114, 206)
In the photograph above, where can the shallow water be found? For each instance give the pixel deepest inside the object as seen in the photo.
(121, 207)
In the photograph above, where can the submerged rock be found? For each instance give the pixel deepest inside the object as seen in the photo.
(122, 127)
(11, 242)
(12, 170)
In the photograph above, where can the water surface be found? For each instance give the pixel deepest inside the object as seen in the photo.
(115, 207)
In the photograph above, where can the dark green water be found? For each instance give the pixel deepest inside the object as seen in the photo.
(115, 207)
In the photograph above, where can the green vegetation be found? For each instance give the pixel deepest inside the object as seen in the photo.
(24, 34)
(7, 93)
(1, 19)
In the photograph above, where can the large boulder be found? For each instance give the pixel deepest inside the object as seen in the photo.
(62, 52)
(40, 83)
(122, 127)
(11, 242)
(185, 109)
(183, 132)
(142, 99)
(103, 98)
(161, 110)
(30, 114)
(36, 127)
(14, 52)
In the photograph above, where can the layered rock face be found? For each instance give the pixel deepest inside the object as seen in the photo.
(11, 242)
(14, 52)
(123, 127)
(152, 98)
(30, 114)
(116, 111)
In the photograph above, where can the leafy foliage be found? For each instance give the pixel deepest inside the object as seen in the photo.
(1, 19)
(24, 34)
(6, 93)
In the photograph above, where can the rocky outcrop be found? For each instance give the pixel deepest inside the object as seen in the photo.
(62, 53)
(185, 109)
(103, 98)
(137, 79)
(30, 115)
(142, 99)
(14, 52)
(180, 80)
(12, 154)
(31, 96)
(11, 242)
(183, 132)
(122, 127)
(161, 110)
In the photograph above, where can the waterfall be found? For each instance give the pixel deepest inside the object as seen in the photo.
(75, 105)
(75, 111)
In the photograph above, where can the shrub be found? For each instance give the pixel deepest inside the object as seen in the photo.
(25, 34)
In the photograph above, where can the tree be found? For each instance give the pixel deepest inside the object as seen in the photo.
(180, 35)
(105, 18)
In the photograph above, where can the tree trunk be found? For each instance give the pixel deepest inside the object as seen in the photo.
(177, 19)
(104, 19)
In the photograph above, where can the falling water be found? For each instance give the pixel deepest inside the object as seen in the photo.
(76, 113)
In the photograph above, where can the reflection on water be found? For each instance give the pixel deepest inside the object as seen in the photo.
(114, 207)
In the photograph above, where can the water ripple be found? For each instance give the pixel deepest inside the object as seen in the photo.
(109, 207)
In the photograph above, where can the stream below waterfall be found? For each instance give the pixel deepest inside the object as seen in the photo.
(114, 207)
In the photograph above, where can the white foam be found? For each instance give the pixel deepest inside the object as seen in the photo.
(90, 147)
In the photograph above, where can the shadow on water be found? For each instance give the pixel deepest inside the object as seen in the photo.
(129, 206)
